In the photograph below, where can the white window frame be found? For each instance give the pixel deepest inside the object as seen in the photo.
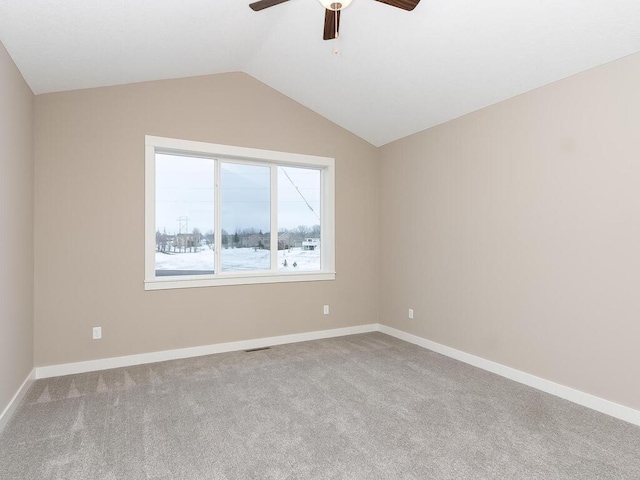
(229, 153)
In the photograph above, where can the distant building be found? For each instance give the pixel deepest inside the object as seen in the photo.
(310, 243)
(255, 240)
(288, 240)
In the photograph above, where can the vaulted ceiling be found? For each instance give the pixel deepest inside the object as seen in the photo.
(395, 73)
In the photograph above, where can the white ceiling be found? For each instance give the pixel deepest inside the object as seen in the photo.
(396, 73)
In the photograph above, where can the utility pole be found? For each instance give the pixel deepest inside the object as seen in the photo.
(183, 224)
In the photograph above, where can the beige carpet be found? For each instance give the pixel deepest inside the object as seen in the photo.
(360, 407)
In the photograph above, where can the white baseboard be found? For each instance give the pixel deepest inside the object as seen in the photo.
(115, 362)
(576, 396)
(5, 416)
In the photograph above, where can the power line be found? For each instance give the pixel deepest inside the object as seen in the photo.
(300, 193)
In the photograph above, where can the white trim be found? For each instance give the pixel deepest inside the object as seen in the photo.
(252, 156)
(149, 212)
(10, 409)
(181, 146)
(327, 222)
(116, 362)
(245, 279)
(576, 396)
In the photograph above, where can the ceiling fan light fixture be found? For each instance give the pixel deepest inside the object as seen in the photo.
(335, 5)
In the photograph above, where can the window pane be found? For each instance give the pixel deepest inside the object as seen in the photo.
(245, 217)
(298, 219)
(184, 215)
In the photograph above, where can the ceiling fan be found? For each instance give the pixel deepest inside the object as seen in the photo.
(332, 13)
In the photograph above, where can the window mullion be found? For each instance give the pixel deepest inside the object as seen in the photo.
(274, 218)
(217, 207)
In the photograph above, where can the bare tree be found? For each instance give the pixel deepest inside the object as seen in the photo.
(303, 230)
(209, 237)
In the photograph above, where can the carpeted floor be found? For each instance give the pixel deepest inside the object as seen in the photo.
(359, 407)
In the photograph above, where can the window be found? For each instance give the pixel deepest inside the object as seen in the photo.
(223, 215)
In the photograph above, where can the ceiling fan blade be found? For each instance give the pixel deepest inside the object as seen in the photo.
(262, 4)
(330, 28)
(403, 4)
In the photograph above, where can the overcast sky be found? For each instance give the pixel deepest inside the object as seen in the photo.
(185, 188)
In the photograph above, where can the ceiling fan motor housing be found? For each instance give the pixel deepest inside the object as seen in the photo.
(335, 5)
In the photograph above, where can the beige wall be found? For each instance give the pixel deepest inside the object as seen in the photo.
(16, 221)
(89, 206)
(514, 232)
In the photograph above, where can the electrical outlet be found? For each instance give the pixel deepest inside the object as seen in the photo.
(97, 333)
(326, 309)
(411, 314)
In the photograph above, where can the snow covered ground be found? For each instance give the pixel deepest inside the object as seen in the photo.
(305, 260)
(240, 259)
(202, 260)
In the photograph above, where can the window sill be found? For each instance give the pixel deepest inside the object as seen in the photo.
(222, 280)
